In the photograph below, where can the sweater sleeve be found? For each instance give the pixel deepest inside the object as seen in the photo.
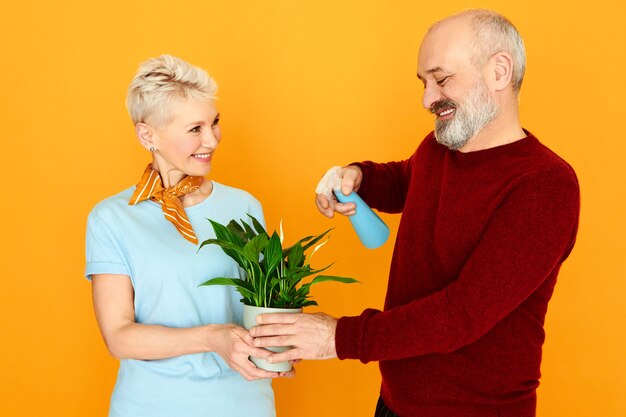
(384, 186)
(525, 242)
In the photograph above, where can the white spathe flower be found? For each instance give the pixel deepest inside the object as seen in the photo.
(317, 247)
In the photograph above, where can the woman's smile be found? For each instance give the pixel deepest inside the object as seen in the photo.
(203, 157)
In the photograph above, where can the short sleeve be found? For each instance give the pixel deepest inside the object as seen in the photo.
(104, 254)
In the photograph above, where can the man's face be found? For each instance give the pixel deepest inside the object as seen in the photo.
(454, 89)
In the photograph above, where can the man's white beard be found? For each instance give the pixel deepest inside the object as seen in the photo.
(470, 117)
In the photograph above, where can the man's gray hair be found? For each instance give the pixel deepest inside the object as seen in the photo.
(495, 33)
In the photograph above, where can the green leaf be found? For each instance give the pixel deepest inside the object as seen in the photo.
(300, 273)
(322, 278)
(243, 287)
(307, 239)
(231, 249)
(257, 225)
(222, 244)
(254, 247)
(317, 271)
(269, 271)
(206, 242)
(287, 297)
(237, 282)
(303, 290)
(223, 233)
(274, 282)
(249, 230)
(237, 230)
(255, 274)
(317, 239)
(301, 241)
(273, 253)
(296, 256)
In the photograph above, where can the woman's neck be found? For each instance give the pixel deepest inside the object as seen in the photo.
(169, 178)
(198, 196)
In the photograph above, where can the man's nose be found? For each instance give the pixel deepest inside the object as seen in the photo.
(431, 95)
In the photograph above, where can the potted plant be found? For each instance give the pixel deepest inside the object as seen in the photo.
(274, 275)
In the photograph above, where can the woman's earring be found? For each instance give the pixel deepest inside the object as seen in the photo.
(152, 149)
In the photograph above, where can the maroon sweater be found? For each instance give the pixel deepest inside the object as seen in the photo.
(480, 243)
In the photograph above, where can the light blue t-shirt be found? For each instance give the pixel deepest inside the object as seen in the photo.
(165, 270)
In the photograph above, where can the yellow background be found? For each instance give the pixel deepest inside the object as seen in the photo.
(303, 85)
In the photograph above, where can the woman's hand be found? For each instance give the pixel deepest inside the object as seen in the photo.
(234, 345)
(351, 177)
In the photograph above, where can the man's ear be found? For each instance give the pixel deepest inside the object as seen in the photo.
(145, 135)
(502, 70)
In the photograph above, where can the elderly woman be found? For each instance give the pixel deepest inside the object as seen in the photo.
(181, 350)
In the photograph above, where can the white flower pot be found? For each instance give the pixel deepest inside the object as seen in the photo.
(249, 321)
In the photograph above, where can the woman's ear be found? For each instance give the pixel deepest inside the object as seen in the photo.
(145, 135)
(503, 70)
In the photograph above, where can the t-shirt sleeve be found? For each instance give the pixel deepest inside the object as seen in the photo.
(104, 254)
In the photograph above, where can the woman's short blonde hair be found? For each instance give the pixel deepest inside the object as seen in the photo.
(159, 82)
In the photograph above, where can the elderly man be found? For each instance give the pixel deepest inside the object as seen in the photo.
(489, 214)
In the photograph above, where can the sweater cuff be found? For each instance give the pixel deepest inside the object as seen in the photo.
(350, 334)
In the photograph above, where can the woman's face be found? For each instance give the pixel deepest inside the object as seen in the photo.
(185, 145)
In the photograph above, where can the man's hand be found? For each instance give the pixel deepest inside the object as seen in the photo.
(351, 177)
(312, 336)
